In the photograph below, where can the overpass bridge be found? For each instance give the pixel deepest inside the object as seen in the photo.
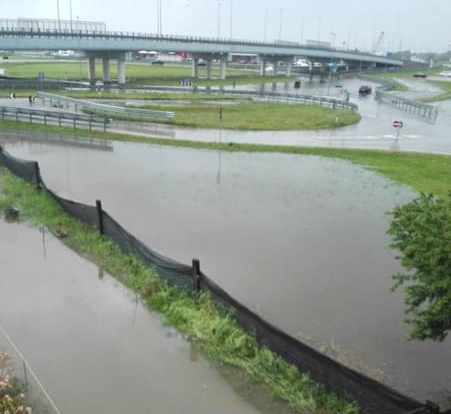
(114, 46)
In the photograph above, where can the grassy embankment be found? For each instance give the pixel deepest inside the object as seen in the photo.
(422, 172)
(212, 329)
(136, 73)
(260, 116)
(445, 96)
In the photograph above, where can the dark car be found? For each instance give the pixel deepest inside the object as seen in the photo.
(365, 90)
(157, 62)
(420, 75)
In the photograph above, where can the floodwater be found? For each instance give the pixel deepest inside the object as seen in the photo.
(300, 240)
(95, 347)
(374, 131)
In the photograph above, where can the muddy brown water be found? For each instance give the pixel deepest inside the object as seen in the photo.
(300, 240)
(95, 347)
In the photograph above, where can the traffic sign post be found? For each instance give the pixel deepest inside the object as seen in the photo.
(398, 125)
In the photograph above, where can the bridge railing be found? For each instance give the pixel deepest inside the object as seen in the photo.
(11, 31)
(117, 112)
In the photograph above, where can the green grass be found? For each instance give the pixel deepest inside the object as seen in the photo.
(261, 116)
(212, 329)
(446, 95)
(425, 173)
(136, 73)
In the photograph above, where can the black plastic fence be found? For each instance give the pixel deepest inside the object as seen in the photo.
(372, 396)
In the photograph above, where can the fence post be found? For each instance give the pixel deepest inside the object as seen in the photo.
(104, 124)
(196, 275)
(75, 123)
(45, 119)
(17, 115)
(37, 174)
(100, 216)
(59, 120)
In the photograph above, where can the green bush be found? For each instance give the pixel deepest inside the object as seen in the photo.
(421, 231)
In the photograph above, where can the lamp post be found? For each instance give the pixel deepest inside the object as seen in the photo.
(71, 17)
(219, 18)
(231, 19)
(58, 14)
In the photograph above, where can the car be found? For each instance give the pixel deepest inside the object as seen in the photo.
(365, 90)
(420, 75)
(157, 62)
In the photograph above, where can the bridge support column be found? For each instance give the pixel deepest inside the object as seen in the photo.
(289, 69)
(92, 70)
(262, 67)
(195, 67)
(106, 70)
(223, 61)
(121, 75)
(209, 67)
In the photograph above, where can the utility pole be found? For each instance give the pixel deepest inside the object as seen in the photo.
(71, 18)
(319, 29)
(302, 30)
(219, 18)
(265, 26)
(231, 19)
(281, 24)
(159, 18)
(58, 14)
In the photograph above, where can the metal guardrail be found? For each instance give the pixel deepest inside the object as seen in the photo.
(117, 112)
(58, 118)
(260, 95)
(383, 94)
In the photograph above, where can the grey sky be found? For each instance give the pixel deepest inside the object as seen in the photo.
(417, 24)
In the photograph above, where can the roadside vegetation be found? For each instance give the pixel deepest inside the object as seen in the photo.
(12, 399)
(425, 173)
(421, 231)
(260, 116)
(212, 329)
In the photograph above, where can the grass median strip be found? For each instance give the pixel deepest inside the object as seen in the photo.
(260, 116)
(426, 173)
(212, 329)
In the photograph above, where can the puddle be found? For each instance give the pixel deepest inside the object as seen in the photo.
(301, 240)
(94, 346)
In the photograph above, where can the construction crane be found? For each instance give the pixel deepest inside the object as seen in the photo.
(378, 44)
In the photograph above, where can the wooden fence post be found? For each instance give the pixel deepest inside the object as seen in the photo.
(100, 216)
(196, 275)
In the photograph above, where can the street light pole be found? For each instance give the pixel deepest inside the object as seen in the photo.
(281, 24)
(231, 19)
(58, 14)
(219, 18)
(71, 18)
(265, 26)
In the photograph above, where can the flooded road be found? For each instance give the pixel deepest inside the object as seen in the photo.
(375, 130)
(301, 240)
(95, 347)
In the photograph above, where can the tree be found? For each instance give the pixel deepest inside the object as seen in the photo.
(421, 231)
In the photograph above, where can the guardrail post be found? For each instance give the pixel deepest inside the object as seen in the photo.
(3, 113)
(45, 119)
(75, 123)
(59, 120)
(100, 217)
(104, 124)
(196, 275)
(17, 115)
(31, 118)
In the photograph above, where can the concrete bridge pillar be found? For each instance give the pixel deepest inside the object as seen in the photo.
(262, 67)
(106, 70)
(195, 67)
(209, 67)
(289, 68)
(121, 69)
(223, 70)
(92, 70)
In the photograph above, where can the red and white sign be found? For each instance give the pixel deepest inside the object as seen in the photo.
(398, 124)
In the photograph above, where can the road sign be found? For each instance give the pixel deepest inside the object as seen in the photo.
(398, 124)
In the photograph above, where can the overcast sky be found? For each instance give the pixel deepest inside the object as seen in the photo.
(416, 24)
